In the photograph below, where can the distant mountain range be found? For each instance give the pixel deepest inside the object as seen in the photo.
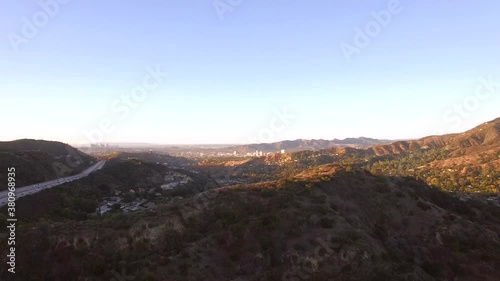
(304, 144)
(480, 138)
(482, 141)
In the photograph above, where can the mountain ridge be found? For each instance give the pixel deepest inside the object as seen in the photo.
(307, 144)
(486, 134)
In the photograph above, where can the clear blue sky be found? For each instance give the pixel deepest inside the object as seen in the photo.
(228, 74)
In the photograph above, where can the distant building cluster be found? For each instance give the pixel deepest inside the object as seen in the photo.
(207, 154)
(174, 180)
(260, 153)
(102, 145)
(136, 205)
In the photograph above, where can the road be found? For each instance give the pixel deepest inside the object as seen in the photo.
(34, 188)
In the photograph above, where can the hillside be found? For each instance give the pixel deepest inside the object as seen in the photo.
(130, 180)
(38, 160)
(468, 162)
(481, 138)
(427, 209)
(325, 224)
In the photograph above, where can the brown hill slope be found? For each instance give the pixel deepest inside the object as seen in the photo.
(483, 137)
(468, 162)
(327, 224)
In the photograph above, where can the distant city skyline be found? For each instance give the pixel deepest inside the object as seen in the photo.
(175, 72)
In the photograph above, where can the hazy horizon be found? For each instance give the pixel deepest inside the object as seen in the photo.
(256, 73)
(229, 144)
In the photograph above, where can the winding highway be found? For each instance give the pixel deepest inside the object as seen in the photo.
(34, 188)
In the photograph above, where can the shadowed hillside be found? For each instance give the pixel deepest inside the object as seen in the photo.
(325, 224)
(38, 161)
(131, 180)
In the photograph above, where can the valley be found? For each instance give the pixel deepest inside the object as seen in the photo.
(423, 209)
